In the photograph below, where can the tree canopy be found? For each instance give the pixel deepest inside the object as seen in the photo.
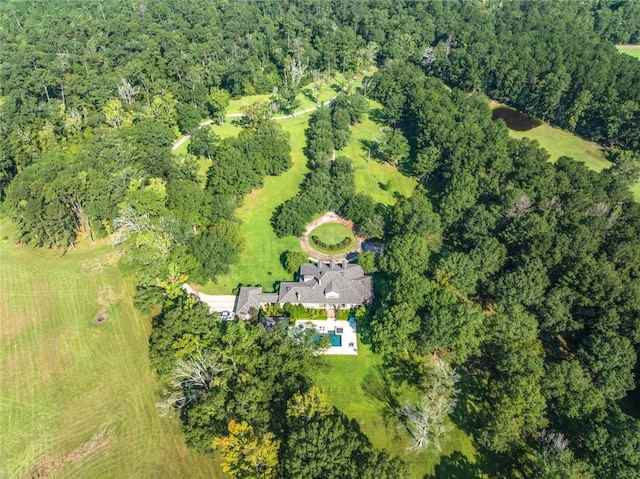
(521, 273)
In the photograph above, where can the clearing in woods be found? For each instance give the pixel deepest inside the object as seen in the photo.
(76, 392)
(557, 142)
(260, 263)
(633, 50)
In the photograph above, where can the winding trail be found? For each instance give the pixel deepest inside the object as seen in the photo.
(181, 141)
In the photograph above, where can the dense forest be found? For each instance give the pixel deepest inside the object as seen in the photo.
(521, 274)
(522, 271)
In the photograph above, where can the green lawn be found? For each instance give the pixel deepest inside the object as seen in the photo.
(633, 50)
(635, 189)
(65, 381)
(379, 180)
(560, 142)
(260, 264)
(349, 385)
(563, 143)
(228, 130)
(333, 234)
(328, 90)
(260, 261)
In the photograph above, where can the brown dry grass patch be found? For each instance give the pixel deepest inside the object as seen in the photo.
(50, 464)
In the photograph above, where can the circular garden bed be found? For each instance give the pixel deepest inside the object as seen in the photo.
(332, 238)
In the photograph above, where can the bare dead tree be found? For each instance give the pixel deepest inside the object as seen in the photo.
(127, 92)
(128, 222)
(428, 57)
(611, 220)
(294, 71)
(551, 203)
(553, 441)
(599, 209)
(521, 207)
(426, 420)
(191, 378)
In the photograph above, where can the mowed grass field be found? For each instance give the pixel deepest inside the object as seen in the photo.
(379, 180)
(560, 142)
(633, 50)
(563, 143)
(260, 262)
(332, 86)
(350, 386)
(327, 90)
(77, 400)
(332, 234)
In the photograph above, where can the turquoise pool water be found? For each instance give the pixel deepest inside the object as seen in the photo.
(335, 339)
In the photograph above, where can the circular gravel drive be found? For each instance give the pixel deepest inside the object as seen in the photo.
(328, 217)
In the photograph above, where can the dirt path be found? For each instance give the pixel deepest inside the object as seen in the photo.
(181, 141)
(328, 217)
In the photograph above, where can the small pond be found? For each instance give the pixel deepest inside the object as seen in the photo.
(514, 119)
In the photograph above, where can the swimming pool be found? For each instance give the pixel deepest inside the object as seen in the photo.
(336, 340)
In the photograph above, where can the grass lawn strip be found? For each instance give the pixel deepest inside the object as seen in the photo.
(379, 180)
(346, 385)
(563, 143)
(78, 399)
(260, 263)
(633, 50)
(560, 142)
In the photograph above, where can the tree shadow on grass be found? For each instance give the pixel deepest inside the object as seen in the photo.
(371, 150)
(455, 466)
(337, 87)
(376, 387)
(458, 466)
(402, 370)
(377, 116)
(308, 94)
(241, 121)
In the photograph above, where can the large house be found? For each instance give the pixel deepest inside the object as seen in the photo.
(338, 285)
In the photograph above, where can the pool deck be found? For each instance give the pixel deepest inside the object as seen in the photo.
(349, 334)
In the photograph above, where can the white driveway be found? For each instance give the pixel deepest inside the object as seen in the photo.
(217, 302)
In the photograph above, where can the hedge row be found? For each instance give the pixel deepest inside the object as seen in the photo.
(331, 247)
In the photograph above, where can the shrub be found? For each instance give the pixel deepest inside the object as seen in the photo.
(274, 310)
(344, 314)
(297, 311)
(331, 247)
(293, 259)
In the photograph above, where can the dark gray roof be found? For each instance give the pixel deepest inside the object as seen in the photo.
(328, 283)
(253, 297)
(351, 257)
(309, 269)
(373, 247)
